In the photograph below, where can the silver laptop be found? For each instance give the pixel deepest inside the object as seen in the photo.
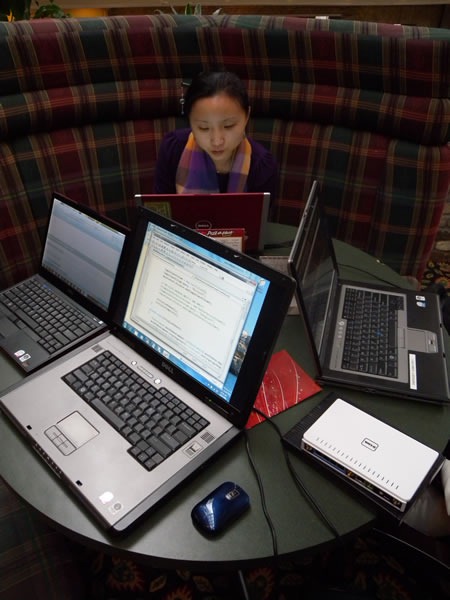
(129, 416)
(369, 337)
(70, 298)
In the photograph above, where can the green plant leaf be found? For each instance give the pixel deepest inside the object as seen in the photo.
(49, 11)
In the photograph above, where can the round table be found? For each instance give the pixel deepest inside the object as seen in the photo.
(167, 537)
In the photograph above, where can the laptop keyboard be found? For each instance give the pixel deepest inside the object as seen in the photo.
(53, 322)
(371, 335)
(154, 421)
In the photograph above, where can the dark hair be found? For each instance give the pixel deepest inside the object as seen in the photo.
(209, 84)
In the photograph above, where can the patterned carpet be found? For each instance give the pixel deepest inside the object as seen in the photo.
(437, 273)
(368, 568)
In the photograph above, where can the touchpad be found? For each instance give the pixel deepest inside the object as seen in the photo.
(422, 341)
(77, 429)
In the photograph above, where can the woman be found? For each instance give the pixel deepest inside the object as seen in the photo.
(214, 154)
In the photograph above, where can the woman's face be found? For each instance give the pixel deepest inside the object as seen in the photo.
(218, 124)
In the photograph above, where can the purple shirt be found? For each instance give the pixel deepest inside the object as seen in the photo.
(262, 176)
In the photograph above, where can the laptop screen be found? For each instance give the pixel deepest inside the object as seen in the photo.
(82, 252)
(184, 297)
(313, 267)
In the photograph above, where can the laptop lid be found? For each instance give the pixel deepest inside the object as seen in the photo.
(418, 334)
(205, 313)
(233, 210)
(194, 318)
(312, 263)
(82, 253)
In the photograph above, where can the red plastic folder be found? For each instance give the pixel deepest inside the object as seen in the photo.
(285, 384)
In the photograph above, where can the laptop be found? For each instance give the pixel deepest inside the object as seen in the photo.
(364, 336)
(246, 210)
(69, 299)
(378, 460)
(129, 416)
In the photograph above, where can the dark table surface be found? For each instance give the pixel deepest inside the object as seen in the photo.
(167, 537)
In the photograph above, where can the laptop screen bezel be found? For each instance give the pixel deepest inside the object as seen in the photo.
(273, 311)
(312, 208)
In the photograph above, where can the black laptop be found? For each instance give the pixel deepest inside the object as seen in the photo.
(70, 298)
(127, 417)
(369, 337)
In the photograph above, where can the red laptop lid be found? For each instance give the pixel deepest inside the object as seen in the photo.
(247, 210)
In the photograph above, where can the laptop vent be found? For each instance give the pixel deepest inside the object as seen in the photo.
(48, 460)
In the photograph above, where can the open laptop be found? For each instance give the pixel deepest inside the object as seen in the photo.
(70, 297)
(195, 326)
(246, 210)
(402, 354)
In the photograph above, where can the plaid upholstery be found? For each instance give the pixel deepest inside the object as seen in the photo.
(362, 107)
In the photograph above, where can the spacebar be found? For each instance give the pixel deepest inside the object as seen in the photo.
(109, 415)
(20, 314)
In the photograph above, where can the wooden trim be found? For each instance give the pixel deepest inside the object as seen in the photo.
(406, 12)
(295, 4)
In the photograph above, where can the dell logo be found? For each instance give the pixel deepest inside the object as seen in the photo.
(203, 224)
(167, 367)
(369, 444)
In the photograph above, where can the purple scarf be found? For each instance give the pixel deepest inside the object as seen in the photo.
(196, 172)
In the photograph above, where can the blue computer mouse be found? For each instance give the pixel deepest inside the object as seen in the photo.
(219, 508)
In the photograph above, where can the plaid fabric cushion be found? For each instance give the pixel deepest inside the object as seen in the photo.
(377, 190)
(103, 165)
(362, 107)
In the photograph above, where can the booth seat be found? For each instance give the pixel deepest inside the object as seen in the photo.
(362, 107)
(84, 103)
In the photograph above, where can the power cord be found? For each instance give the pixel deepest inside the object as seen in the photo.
(267, 516)
(298, 482)
(300, 485)
(262, 496)
(243, 585)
